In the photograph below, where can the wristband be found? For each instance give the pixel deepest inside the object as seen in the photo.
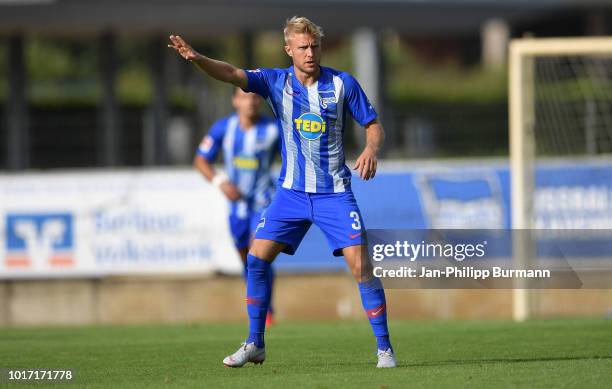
(219, 179)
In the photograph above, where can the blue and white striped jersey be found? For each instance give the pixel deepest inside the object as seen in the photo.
(248, 155)
(312, 120)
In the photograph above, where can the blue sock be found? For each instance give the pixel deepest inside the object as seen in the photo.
(373, 301)
(259, 290)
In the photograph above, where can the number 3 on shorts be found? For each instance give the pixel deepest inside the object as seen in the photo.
(357, 224)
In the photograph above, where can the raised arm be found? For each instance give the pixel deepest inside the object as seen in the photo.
(218, 70)
(367, 162)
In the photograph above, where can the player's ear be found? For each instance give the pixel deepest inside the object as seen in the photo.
(288, 50)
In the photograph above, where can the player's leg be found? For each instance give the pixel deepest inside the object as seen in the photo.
(259, 286)
(282, 228)
(239, 229)
(255, 218)
(243, 257)
(339, 218)
(259, 292)
(373, 301)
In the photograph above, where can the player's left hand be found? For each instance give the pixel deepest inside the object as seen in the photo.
(366, 164)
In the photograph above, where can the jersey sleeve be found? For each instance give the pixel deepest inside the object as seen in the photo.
(259, 81)
(357, 102)
(211, 143)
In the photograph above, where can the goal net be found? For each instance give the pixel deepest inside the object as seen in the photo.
(560, 100)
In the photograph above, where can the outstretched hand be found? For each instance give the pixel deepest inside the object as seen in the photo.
(183, 48)
(366, 164)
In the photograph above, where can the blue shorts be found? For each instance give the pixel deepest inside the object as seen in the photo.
(292, 212)
(242, 228)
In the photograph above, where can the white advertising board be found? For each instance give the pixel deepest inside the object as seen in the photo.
(93, 223)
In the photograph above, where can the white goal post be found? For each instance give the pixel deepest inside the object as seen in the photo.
(523, 127)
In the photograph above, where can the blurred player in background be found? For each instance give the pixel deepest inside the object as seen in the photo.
(310, 101)
(249, 142)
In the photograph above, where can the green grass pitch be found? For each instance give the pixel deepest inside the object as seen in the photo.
(547, 354)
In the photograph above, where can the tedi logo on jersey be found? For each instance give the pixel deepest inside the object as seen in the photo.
(245, 163)
(39, 240)
(310, 125)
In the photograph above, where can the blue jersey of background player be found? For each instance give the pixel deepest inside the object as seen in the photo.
(249, 143)
(310, 103)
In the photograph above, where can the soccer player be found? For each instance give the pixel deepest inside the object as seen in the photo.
(249, 142)
(310, 101)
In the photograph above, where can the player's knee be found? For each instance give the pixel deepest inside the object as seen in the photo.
(356, 271)
(265, 249)
(360, 269)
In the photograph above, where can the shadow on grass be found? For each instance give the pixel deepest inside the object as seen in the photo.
(501, 360)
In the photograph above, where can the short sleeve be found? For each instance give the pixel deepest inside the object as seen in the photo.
(258, 81)
(357, 102)
(211, 143)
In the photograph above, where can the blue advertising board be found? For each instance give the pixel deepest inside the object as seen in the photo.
(569, 195)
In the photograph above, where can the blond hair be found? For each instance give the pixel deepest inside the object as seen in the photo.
(302, 25)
